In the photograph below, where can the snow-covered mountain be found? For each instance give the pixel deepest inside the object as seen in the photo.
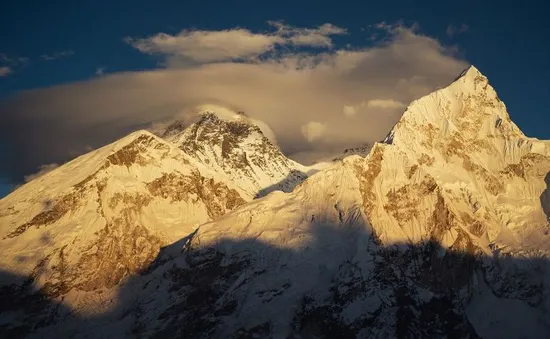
(236, 147)
(440, 231)
(92, 222)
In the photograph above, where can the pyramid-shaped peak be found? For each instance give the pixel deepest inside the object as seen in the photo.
(468, 107)
(472, 70)
(470, 74)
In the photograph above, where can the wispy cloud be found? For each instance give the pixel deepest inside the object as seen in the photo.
(373, 104)
(9, 63)
(385, 104)
(313, 37)
(5, 71)
(313, 130)
(207, 46)
(100, 71)
(43, 169)
(349, 110)
(453, 30)
(57, 55)
(12, 60)
(300, 95)
(233, 44)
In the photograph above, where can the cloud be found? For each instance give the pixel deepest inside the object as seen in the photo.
(284, 90)
(453, 30)
(390, 104)
(232, 44)
(100, 71)
(56, 55)
(313, 130)
(314, 37)
(385, 104)
(207, 46)
(9, 63)
(5, 71)
(349, 110)
(43, 169)
(12, 60)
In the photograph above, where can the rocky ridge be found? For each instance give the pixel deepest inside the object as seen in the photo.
(238, 148)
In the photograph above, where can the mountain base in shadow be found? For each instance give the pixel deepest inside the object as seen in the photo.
(343, 284)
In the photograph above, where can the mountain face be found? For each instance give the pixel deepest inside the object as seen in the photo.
(441, 231)
(240, 150)
(361, 151)
(104, 216)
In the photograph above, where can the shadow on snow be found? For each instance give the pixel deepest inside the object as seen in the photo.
(341, 283)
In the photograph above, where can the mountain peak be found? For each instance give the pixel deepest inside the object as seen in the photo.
(203, 115)
(232, 143)
(470, 81)
(216, 118)
(220, 113)
(213, 126)
(224, 115)
(208, 116)
(469, 73)
(469, 107)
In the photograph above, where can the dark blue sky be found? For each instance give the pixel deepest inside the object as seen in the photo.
(508, 41)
